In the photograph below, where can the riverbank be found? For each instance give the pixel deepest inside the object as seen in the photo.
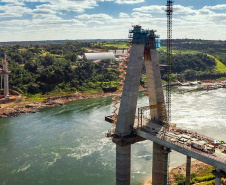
(197, 168)
(201, 173)
(17, 108)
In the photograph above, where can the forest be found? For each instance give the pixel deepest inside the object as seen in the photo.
(44, 68)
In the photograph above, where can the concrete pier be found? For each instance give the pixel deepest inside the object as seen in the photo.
(188, 170)
(123, 165)
(6, 86)
(157, 164)
(6, 76)
(166, 152)
(218, 178)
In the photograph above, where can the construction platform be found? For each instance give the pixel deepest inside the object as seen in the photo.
(181, 141)
(176, 139)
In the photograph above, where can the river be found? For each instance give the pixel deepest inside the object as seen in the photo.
(66, 145)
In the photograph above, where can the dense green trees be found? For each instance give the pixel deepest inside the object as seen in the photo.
(191, 66)
(55, 67)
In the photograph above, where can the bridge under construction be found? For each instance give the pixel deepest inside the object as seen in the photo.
(156, 127)
(165, 136)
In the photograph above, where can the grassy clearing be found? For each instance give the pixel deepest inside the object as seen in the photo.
(221, 57)
(204, 176)
(45, 53)
(220, 67)
(201, 174)
(119, 45)
(34, 98)
(22, 49)
(177, 51)
(222, 78)
(41, 97)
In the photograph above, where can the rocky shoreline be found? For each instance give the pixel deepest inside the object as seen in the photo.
(16, 109)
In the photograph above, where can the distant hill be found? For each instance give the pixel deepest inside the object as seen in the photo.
(46, 42)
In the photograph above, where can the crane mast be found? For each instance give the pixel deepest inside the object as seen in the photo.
(169, 12)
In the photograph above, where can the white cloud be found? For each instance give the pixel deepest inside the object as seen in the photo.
(14, 2)
(95, 17)
(129, 1)
(123, 15)
(178, 9)
(219, 18)
(43, 11)
(47, 21)
(15, 23)
(56, 22)
(141, 15)
(204, 11)
(217, 7)
(67, 5)
(95, 22)
(10, 10)
(151, 9)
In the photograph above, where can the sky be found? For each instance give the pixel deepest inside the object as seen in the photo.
(30, 20)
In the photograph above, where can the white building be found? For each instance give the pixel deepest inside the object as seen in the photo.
(120, 52)
(113, 51)
(98, 56)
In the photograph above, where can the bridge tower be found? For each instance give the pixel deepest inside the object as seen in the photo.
(144, 45)
(5, 72)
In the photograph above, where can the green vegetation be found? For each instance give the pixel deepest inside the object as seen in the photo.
(54, 68)
(50, 69)
(180, 179)
(204, 177)
(196, 59)
(105, 46)
(116, 45)
(220, 67)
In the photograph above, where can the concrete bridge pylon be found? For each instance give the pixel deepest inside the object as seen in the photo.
(144, 48)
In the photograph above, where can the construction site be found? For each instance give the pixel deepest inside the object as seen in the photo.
(153, 122)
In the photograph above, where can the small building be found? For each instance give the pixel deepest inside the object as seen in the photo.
(113, 51)
(119, 52)
(98, 56)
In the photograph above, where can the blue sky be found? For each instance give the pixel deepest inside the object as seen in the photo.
(25, 20)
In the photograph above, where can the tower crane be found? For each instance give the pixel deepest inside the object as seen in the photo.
(169, 13)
